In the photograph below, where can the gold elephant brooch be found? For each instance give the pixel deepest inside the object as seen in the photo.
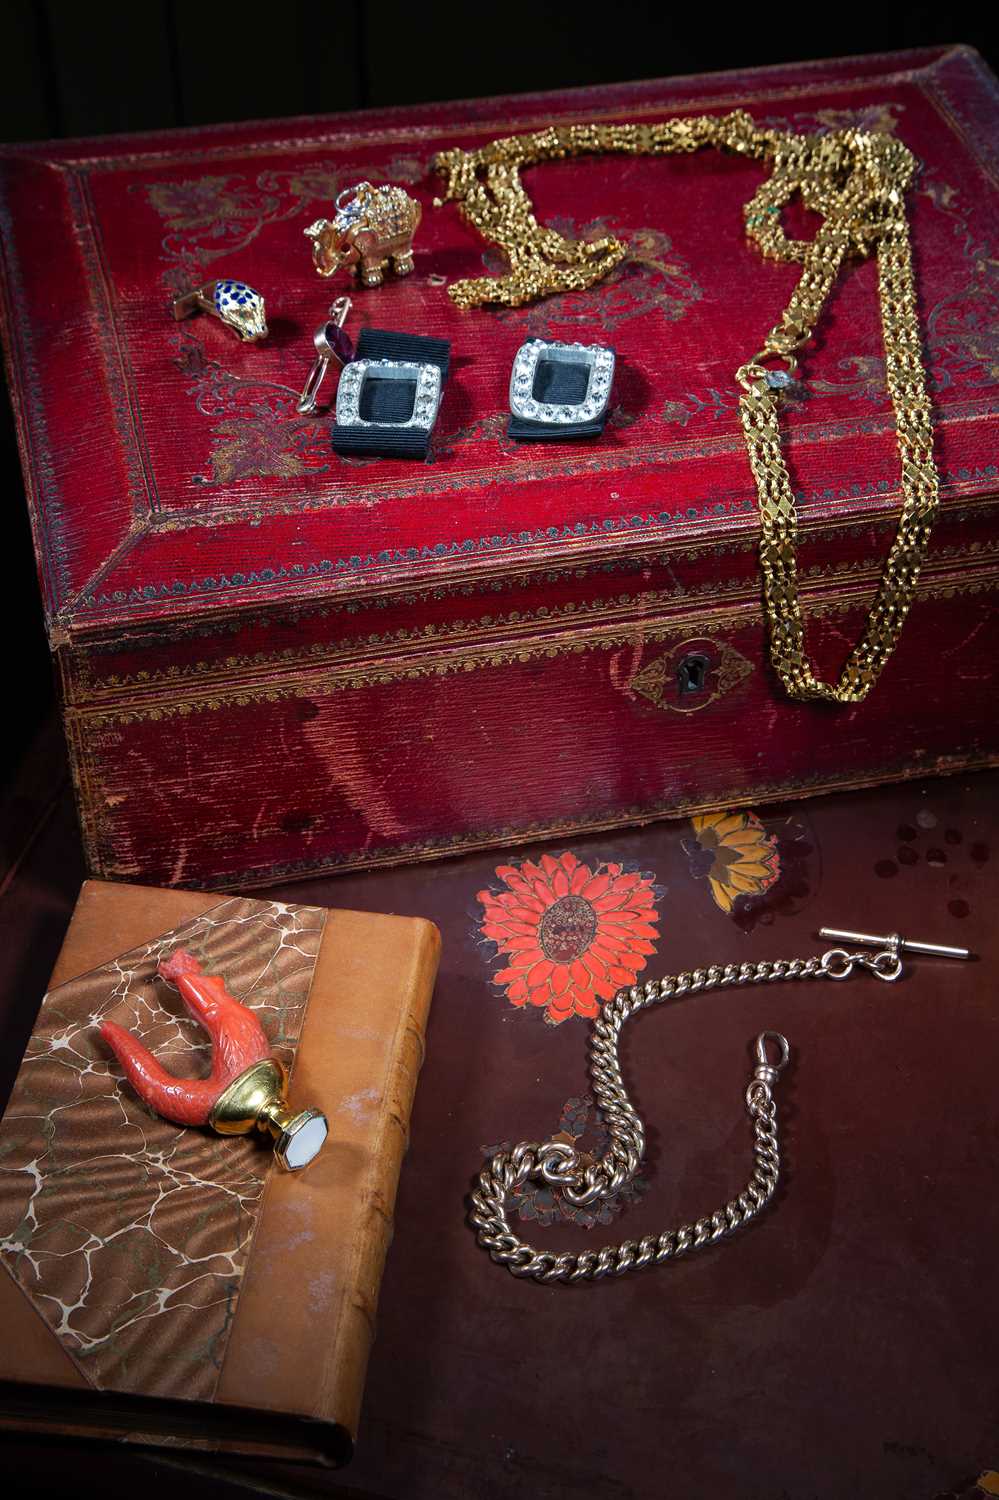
(372, 226)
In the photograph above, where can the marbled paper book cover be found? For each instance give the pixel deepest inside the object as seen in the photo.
(148, 1254)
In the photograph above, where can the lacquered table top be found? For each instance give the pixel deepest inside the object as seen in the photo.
(843, 1345)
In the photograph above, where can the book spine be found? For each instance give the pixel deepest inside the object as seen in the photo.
(349, 1359)
(305, 1315)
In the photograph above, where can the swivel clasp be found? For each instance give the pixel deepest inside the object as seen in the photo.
(767, 1070)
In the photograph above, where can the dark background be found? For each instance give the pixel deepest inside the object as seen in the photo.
(87, 69)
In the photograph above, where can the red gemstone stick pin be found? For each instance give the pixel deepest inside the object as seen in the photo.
(246, 1086)
(333, 347)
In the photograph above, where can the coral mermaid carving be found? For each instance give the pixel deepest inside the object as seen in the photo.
(246, 1086)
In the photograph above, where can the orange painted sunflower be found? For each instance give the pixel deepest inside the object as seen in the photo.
(736, 855)
(572, 935)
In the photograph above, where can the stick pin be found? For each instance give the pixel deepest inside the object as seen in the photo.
(332, 347)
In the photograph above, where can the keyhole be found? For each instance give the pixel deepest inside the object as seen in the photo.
(692, 674)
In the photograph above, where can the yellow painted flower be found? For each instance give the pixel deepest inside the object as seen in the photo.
(735, 854)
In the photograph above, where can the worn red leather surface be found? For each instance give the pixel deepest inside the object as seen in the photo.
(165, 427)
(844, 1344)
(279, 662)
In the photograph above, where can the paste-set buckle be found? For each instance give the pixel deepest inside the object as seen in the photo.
(356, 380)
(560, 390)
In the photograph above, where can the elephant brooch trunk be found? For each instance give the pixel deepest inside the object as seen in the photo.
(247, 1086)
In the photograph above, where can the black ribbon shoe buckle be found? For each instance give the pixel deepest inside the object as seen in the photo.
(389, 395)
(560, 391)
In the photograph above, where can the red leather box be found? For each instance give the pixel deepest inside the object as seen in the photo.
(275, 660)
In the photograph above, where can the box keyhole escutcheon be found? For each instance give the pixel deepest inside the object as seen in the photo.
(692, 674)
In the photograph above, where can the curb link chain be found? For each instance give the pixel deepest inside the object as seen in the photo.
(582, 1183)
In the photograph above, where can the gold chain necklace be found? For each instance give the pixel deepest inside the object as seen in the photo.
(856, 180)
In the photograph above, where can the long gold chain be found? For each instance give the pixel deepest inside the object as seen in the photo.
(856, 180)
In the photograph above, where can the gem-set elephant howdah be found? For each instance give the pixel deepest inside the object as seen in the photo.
(371, 226)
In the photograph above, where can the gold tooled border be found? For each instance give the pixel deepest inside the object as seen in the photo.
(326, 677)
(580, 106)
(82, 689)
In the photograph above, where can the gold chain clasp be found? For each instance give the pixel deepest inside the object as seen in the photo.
(754, 371)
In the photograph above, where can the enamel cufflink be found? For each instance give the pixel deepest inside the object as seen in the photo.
(560, 391)
(232, 302)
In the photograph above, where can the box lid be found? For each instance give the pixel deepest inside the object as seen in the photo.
(170, 476)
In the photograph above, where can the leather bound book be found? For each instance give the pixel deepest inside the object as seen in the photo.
(171, 1286)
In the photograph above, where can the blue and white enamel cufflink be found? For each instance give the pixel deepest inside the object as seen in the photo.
(560, 391)
(232, 302)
